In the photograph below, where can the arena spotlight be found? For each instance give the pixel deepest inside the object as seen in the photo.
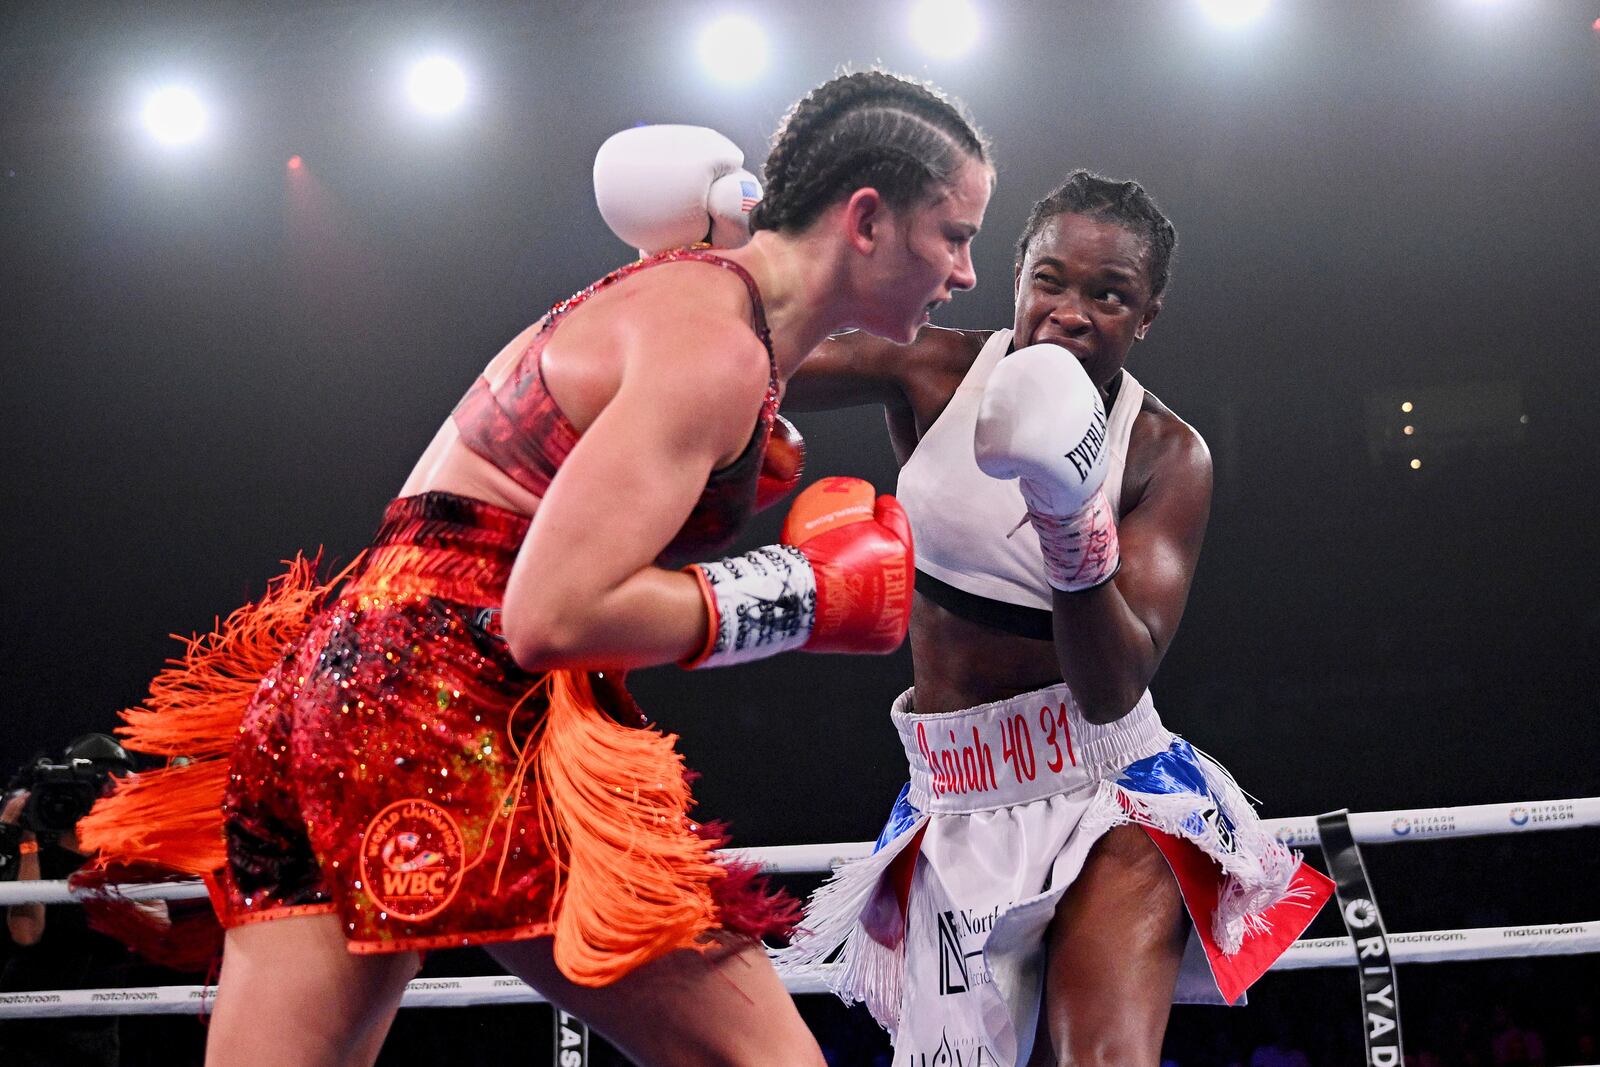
(944, 28)
(436, 85)
(1234, 12)
(732, 49)
(174, 115)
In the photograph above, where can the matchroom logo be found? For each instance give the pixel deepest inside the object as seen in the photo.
(411, 859)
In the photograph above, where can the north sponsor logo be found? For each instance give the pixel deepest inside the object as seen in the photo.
(411, 859)
(966, 1052)
(956, 929)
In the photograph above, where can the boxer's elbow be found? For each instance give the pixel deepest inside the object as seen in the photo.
(542, 640)
(1105, 705)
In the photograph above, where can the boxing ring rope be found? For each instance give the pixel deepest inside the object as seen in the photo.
(1379, 827)
(1433, 946)
(1369, 828)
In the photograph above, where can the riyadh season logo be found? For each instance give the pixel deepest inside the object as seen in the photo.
(1535, 814)
(1423, 825)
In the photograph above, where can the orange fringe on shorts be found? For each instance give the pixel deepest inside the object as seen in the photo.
(171, 818)
(636, 879)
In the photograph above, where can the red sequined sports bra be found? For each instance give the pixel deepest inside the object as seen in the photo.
(520, 429)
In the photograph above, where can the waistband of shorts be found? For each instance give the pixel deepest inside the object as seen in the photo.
(442, 545)
(1016, 751)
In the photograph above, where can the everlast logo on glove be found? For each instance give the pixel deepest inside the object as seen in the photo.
(1083, 456)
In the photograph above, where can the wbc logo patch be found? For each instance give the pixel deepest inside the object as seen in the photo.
(411, 859)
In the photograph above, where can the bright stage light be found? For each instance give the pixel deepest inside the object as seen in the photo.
(436, 85)
(944, 28)
(733, 49)
(174, 115)
(1234, 12)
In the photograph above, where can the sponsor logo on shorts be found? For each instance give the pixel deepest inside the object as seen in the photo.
(964, 1052)
(956, 930)
(411, 859)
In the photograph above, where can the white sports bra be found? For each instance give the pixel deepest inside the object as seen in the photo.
(960, 517)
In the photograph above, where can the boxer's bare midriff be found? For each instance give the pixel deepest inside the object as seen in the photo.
(960, 664)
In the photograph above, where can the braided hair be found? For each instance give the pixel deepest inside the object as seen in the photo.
(1125, 203)
(871, 128)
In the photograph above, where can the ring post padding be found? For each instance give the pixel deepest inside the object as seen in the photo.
(1358, 907)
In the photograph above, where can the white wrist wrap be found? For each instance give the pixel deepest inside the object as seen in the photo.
(763, 602)
(1080, 550)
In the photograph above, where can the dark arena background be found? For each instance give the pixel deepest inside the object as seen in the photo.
(1384, 318)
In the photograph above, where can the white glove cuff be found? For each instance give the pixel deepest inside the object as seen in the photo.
(1080, 550)
(760, 604)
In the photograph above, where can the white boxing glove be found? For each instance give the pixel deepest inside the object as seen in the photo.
(1042, 422)
(661, 187)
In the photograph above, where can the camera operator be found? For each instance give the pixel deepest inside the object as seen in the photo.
(53, 948)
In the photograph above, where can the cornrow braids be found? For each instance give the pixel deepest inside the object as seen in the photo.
(871, 128)
(1126, 203)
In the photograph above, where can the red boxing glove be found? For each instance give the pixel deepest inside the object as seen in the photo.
(860, 552)
(782, 464)
(839, 582)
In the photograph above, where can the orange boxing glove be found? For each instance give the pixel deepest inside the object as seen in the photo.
(839, 582)
(782, 464)
(860, 552)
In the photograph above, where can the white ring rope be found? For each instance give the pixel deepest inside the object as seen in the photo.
(1433, 946)
(1369, 828)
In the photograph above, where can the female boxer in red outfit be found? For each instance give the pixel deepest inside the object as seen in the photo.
(444, 753)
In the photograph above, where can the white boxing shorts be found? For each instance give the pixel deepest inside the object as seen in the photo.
(941, 931)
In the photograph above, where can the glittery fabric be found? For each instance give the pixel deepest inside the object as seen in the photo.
(381, 768)
(519, 428)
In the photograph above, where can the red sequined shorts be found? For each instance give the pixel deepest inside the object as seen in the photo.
(382, 771)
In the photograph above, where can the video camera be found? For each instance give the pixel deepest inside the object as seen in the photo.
(60, 792)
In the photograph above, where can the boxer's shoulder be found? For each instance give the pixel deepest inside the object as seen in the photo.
(1163, 447)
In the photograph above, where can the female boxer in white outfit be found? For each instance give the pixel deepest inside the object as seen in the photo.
(1023, 906)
